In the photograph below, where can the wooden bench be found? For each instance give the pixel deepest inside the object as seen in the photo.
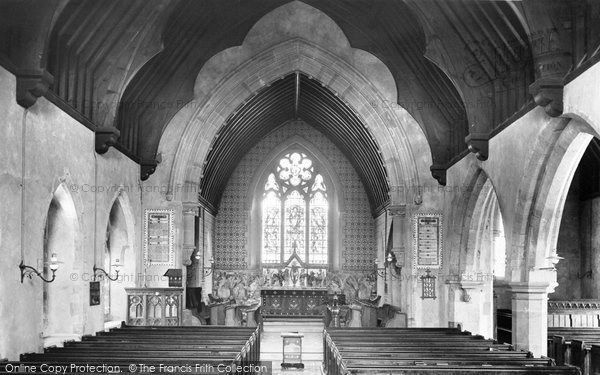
(572, 345)
(154, 346)
(427, 351)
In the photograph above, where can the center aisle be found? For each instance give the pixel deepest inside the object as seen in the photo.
(271, 346)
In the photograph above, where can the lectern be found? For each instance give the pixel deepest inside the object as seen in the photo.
(292, 350)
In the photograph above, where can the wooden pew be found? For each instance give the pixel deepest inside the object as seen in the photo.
(572, 345)
(154, 346)
(427, 351)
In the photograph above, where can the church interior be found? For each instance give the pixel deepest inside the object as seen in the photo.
(408, 186)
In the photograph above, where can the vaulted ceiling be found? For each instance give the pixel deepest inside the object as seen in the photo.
(295, 96)
(463, 68)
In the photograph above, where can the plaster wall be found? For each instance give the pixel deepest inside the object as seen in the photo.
(58, 150)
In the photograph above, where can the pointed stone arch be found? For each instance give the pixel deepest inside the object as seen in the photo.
(186, 140)
(335, 191)
(118, 244)
(63, 298)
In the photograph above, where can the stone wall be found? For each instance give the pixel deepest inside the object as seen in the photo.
(56, 151)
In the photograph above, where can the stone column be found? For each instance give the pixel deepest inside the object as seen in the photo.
(530, 317)
(400, 243)
(190, 211)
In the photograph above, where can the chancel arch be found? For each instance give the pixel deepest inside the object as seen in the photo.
(62, 298)
(240, 78)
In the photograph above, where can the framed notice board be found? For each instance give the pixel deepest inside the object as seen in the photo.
(94, 293)
(428, 240)
(158, 237)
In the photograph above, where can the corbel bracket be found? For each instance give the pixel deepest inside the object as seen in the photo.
(106, 137)
(147, 167)
(439, 173)
(478, 144)
(548, 93)
(31, 84)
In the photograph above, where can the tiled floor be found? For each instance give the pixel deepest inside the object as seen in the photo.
(310, 368)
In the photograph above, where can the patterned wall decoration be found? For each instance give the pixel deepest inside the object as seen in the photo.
(232, 226)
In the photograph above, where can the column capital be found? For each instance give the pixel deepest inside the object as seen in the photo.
(397, 210)
(529, 288)
(191, 208)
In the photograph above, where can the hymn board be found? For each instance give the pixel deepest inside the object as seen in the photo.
(158, 237)
(428, 241)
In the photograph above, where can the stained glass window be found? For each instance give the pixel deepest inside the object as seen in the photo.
(271, 228)
(295, 225)
(297, 191)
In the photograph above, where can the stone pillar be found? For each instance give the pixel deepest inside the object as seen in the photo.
(400, 243)
(530, 317)
(190, 211)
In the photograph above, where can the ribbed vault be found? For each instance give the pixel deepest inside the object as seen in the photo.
(295, 96)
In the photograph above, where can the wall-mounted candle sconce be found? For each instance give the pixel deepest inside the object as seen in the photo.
(30, 271)
(116, 265)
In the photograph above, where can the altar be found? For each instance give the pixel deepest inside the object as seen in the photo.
(294, 303)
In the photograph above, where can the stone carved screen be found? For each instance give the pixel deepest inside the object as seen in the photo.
(295, 213)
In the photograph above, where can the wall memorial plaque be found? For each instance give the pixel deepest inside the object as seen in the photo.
(427, 234)
(158, 237)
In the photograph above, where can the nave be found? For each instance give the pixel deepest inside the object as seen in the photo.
(205, 167)
(233, 350)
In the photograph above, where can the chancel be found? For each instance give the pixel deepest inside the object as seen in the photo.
(409, 186)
